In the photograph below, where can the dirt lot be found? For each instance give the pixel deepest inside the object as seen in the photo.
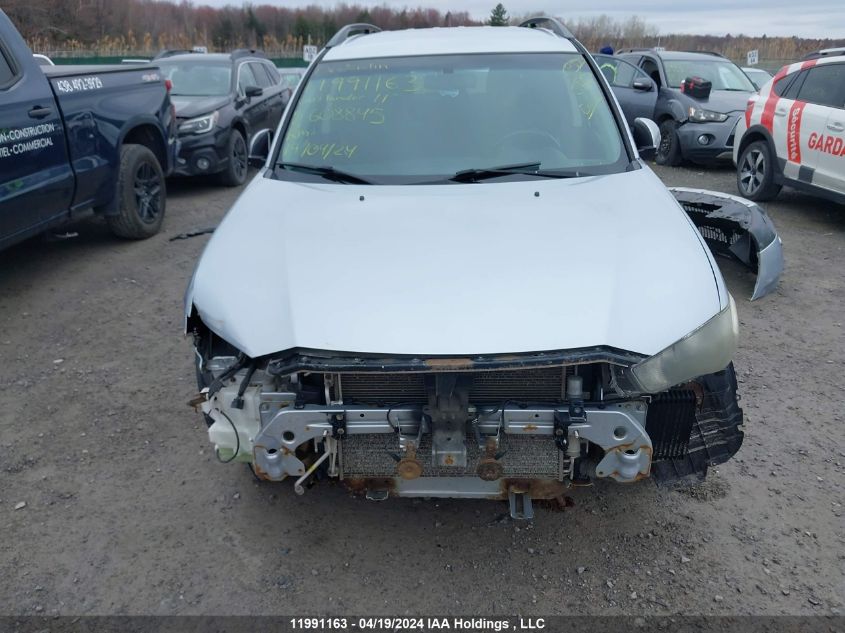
(127, 510)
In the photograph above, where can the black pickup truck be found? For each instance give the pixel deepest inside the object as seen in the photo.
(77, 139)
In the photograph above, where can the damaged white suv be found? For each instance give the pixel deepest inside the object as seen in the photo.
(455, 277)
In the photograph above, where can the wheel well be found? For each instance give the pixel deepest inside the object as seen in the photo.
(148, 136)
(240, 127)
(747, 139)
(665, 117)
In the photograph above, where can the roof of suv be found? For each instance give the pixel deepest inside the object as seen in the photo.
(675, 55)
(212, 57)
(198, 57)
(450, 41)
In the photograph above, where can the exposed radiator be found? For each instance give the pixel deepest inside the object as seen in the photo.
(368, 456)
(488, 387)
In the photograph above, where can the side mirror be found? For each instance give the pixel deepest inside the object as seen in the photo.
(643, 84)
(646, 137)
(259, 148)
(253, 91)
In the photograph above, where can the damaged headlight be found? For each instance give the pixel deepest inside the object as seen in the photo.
(700, 115)
(708, 349)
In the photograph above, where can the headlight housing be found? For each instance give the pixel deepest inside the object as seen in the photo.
(700, 115)
(708, 349)
(199, 125)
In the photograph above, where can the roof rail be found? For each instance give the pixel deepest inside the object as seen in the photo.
(349, 30)
(714, 53)
(247, 52)
(170, 52)
(632, 50)
(825, 52)
(550, 24)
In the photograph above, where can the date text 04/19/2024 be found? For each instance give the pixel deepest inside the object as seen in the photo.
(418, 624)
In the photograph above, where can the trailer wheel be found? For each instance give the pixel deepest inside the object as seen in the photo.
(141, 194)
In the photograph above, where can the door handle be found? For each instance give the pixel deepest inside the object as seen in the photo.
(39, 113)
(836, 126)
(780, 112)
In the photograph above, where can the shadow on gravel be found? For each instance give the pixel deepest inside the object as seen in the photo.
(90, 235)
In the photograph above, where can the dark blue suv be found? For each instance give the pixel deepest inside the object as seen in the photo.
(224, 102)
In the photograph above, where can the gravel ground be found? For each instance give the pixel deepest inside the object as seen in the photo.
(127, 512)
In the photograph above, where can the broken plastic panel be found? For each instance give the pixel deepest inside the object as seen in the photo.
(736, 228)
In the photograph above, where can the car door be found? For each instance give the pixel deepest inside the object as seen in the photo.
(830, 171)
(812, 124)
(635, 91)
(253, 109)
(36, 180)
(279, 96)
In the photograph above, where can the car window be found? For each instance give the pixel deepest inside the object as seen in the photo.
(6, 72)
(290, 80)
(650, 68)
(260, 74)
(246, 78)
(824, 85)
(723, 74)
(758, 77)
(274, 74)
(783, 85)
(401, 119)
(197, 79)
(618, 72)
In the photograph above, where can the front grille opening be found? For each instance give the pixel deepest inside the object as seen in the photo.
(489, 387)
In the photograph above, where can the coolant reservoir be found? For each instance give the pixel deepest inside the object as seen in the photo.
(222, 435)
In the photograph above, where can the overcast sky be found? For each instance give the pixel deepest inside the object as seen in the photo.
(812, 18)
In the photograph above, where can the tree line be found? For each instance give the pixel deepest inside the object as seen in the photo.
(123, 27)
(145, 26)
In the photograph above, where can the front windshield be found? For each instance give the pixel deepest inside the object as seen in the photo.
(412, 119)
(724, 75)
(197, 79)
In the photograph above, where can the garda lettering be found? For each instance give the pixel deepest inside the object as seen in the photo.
(834, 145)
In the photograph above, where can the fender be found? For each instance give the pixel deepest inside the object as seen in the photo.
(110, 207)
(677, 110)
(737, 228)
(139, 120)
(238, 119)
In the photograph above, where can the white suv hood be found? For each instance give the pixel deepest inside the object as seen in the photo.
(481, 268)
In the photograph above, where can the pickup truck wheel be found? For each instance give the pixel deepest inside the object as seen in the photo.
(755, 173)
(669, 151)
(141, 194)
(235, 174)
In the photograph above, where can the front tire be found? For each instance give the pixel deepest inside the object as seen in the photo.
(669, 150)
(141, 194)
(755, 173)
(236, 171)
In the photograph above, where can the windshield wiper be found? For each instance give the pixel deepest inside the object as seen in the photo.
(327, 172)
(529, 169)
(475, 175)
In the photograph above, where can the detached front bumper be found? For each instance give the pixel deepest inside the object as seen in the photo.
(707, 142)
(737, 228)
